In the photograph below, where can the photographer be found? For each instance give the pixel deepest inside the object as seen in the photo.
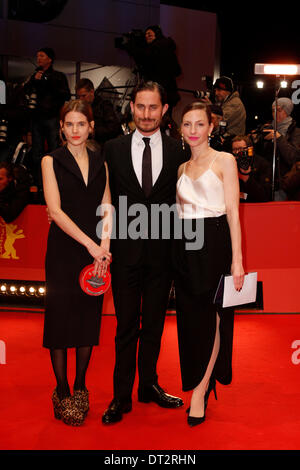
(287, 137)
(107, 125)
(290, 183)
(234, 112)
(218, 139)
(254, 171)
(156, 60)
(47, 90)
(14, 190)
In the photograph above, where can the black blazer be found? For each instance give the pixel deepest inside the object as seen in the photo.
(123, 182)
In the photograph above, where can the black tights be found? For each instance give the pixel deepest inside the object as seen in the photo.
(59, 364)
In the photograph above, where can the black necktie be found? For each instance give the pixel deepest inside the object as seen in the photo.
(147, 168)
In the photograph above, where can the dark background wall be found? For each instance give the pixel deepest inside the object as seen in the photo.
(85, 31)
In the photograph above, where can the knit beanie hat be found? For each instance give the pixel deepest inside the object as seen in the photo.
(286, 104)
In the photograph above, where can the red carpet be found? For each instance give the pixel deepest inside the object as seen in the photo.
(258, 411)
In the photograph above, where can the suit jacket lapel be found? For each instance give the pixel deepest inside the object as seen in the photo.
(128, 165)
(165, 167)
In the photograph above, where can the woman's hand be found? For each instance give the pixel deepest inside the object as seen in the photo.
(102, 258)
(237, 271)
(99, 253)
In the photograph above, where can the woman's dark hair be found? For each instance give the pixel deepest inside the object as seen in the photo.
(79, 106)
(151, 86)
(197, 106)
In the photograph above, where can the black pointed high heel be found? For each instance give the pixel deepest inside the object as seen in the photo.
(211, 386)
(194, 421)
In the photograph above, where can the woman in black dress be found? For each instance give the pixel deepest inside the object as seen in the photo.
(208, 199)
(75, 183)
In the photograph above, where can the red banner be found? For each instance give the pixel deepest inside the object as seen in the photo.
(270, 234)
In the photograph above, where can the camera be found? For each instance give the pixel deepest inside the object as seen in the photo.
(202, 94)
(244, 159)
(258, 134)
(32, 100)
(222, 128)
(136, 37)
(3, 130)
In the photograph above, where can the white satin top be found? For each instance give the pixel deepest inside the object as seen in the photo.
(202, 197)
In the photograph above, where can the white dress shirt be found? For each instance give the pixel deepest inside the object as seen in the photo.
(137, 150)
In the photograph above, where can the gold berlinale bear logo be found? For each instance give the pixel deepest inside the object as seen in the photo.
(8, 235)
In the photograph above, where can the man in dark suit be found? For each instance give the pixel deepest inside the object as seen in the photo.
(143, 173)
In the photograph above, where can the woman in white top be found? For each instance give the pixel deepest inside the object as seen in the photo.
(208, 204)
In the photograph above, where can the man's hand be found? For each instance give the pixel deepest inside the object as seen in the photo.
(270, 134)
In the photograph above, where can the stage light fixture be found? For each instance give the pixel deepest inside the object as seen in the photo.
(22, 291)
(260, 84)
(277, 69)
(283, 84)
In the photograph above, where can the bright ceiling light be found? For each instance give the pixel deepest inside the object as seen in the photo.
(283, 84)
(260, 84)
(277, 69)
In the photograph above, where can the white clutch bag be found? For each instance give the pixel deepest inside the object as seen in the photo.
(227, 296)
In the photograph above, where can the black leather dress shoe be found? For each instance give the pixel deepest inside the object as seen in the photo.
(158, 395)
(115, 410)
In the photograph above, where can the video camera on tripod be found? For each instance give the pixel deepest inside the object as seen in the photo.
(136, 37)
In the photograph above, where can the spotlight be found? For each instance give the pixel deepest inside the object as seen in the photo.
(31, 290)
(22, 289)
(284, 84)
(41, 290)
(12, 289)
(3, 288)
(260, 84)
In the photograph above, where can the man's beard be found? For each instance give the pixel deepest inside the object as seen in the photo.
(141, 124)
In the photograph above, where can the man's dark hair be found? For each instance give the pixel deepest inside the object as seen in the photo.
(85, 83)
(150, 86)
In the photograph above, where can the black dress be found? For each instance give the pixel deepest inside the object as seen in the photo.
(72, 318)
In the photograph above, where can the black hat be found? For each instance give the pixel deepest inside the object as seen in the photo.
(50, 52)
(224, 83)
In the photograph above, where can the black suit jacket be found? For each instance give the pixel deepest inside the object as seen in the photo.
(123, 182)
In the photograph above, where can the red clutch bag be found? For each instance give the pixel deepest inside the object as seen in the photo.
(92, 284)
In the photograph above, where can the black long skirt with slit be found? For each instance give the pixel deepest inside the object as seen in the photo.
(196, 277)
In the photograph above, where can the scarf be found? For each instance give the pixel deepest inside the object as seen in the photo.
(283, 126)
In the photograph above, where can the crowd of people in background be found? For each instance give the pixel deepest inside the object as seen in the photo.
(30, 132)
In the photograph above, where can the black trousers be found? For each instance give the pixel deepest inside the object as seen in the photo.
(141, 294)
